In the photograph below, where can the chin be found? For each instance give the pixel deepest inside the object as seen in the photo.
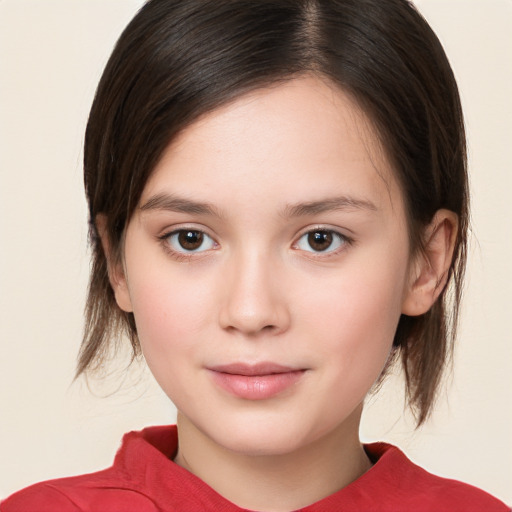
(261, 446)
(261, 438)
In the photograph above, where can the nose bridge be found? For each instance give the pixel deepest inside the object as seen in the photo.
(254, 299)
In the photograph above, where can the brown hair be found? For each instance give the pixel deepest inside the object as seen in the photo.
(179, 59)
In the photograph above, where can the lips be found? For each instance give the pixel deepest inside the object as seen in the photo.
(255, 382)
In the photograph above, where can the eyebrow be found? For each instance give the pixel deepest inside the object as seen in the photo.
(330, 204)
(170, 202)
(174, 203)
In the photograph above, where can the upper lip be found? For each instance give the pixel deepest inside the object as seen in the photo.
(250, 370)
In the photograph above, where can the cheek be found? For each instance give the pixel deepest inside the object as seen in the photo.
(170, 311)
(366, 297)
(170, 318)
(355, 321)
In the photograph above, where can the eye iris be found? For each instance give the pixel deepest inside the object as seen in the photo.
(320, 240)
(190, 240)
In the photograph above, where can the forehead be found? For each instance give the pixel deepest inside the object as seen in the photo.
(296, 138)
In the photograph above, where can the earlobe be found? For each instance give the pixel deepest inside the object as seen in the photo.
(429, 271)
(116, 272)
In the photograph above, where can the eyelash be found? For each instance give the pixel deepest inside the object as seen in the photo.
(343, 240)
(184, 255)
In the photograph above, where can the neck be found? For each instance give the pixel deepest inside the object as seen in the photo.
(275, 483)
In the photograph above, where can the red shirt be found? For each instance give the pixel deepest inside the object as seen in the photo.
(143, 478)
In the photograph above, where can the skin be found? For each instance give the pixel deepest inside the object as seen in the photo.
(271, 167)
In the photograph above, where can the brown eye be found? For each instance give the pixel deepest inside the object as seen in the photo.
(189, 240)
(320, 240)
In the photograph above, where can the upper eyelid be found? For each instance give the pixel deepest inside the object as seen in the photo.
(320, 227)
(167, 232)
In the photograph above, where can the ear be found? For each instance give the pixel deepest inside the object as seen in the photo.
(429, 270)
(116, 272)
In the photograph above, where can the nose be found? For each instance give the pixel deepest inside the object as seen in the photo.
(254, 300)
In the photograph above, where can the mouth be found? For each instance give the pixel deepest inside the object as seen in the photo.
(255, 381)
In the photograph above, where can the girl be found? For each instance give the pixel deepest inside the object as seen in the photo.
(277, 194)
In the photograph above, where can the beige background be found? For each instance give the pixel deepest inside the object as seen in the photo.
(51, 55)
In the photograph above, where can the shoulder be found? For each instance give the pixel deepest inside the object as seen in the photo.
(123, 487)
(42, 497)
(106, 491)
(416, 489)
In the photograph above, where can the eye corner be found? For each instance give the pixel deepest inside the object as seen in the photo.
(322, 241)
(186, 242)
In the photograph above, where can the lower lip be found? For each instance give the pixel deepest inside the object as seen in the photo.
(257, 387)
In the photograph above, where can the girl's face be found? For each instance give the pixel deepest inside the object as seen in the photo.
(267, 266)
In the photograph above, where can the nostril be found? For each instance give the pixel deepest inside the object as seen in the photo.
(251, 304)
(252, 331)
